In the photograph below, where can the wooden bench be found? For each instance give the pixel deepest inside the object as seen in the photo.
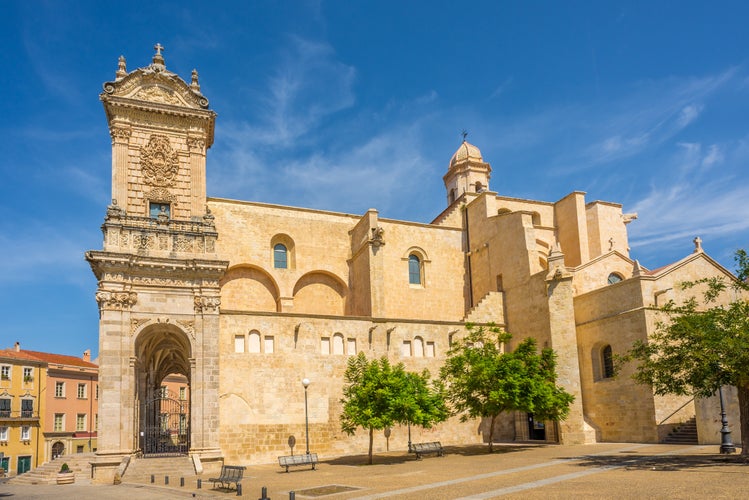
(292, 460)
(229, 474)
(424, 448)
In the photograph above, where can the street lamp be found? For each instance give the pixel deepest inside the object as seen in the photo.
(305, 383)
(726, 446)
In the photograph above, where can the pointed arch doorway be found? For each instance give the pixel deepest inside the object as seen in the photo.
(163, 354)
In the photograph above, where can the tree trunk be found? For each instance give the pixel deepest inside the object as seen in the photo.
(371, 439)
(491, 434)
(743, 391)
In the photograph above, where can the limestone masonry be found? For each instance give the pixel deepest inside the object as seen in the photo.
(246, 299)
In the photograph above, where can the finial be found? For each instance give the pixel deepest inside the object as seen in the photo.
(698, 245)
(195, 85)
(158, 59)
(464, 133)
(121, 67)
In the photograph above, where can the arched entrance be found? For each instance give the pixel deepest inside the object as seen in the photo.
(58, 450)
(162, 374)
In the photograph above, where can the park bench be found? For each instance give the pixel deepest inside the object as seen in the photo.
(229, 474)
(424, 448)
(293, 460)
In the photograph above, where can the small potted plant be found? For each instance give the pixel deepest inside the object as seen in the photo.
(65, 476)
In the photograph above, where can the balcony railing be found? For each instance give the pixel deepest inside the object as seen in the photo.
(19, 415)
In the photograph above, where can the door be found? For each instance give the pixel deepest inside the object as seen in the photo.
(23, 464)
(536, 429)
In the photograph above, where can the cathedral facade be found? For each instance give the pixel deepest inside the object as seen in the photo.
(247, 299)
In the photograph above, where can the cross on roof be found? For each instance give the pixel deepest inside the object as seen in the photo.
(158, 48)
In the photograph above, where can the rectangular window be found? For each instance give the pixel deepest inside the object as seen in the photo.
(5, 372)
(268, 344)
(163, 392)
(158, 209)
(430, 350)
(325, 345)
(182, 393)
(27, 408)
(81, 391)
(59, 422)
(406, 350)
(351, 347)
(26, 433)
(79, 449)
(96, 422)
(239, 343)
(4, 408)
(97, 391)
(4, 433)
(59, 389)
(28, 374)
(80, 422)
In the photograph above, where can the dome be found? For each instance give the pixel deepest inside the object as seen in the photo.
(466, 151)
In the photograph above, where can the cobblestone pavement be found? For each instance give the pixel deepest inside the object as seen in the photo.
(610, 470)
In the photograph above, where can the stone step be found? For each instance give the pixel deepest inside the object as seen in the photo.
(140, 469)
(685, 433)
(47, 472)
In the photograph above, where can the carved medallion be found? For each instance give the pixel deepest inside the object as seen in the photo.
(159, 162)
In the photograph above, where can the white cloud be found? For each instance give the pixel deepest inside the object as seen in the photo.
(688, 114)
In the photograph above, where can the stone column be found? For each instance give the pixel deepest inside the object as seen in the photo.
(120, 139)
(197, 175)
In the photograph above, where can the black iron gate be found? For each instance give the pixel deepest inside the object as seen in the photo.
(166, 427)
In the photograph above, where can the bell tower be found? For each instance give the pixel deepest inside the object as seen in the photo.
(158, 273)
(466, 173)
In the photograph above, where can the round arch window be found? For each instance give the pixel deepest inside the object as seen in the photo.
(614, 278)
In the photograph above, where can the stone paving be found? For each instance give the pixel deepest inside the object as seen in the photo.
(609, 470)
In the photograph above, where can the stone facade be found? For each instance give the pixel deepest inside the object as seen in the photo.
(246, 299)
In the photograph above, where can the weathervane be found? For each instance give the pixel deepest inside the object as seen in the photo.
(464, 133)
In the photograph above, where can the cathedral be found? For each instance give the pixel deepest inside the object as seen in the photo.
(244, 300)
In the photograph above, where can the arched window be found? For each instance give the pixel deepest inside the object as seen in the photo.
(418, 347)
(479, 187)
(280, 257)
(414, 270)
(337, 343)
(614, 278)
(254, 342)
(607, 362)
(452, 196)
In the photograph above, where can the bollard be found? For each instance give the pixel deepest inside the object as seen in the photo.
(200, 483)
(264, 494)
(182, 481)
(153, 478)
(292, 495)
(166, 479)
(239, 489)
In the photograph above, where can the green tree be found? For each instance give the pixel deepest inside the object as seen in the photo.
(377, 395)
(483, 381)
(702, 345)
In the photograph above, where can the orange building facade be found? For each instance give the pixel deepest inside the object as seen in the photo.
(48, 407)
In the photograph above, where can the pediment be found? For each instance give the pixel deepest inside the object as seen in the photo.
(156, 86)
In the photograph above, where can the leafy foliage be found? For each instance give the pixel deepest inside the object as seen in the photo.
(483, 381)
(702, 345)
(378, 395)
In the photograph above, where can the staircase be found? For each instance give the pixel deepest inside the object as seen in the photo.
(47, 473)
(685, 433)
(140, 469)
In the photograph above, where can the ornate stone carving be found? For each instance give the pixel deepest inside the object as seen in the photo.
(187, 326)
(182, 244)
(205, 304)
(136, 323)
(116, 300)
(196, 143)
(378, 236)
(120, 133)
(160, 194)
(156, 93)
(159, 162)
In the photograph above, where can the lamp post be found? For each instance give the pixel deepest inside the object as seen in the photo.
(305, 383)
(726, 446)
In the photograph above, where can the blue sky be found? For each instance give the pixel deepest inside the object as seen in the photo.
(350, 105)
